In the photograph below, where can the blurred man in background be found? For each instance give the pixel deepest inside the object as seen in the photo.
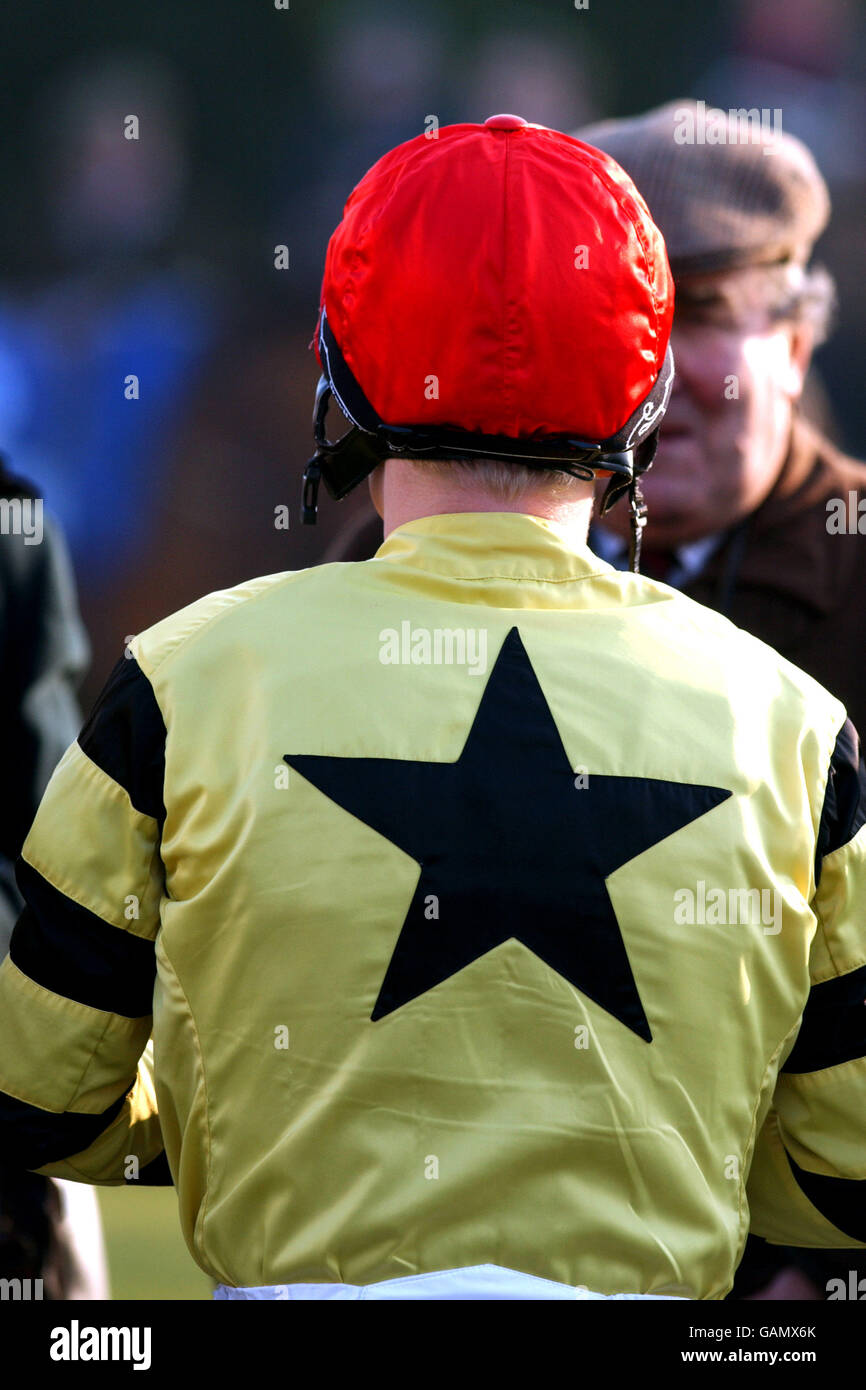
(752, 510)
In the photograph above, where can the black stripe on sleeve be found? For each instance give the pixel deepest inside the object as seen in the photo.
(154, 1174)
(125, 736)
(834, 1024)
(31, 1137)
(844, 810)
(841, 1200)
(68, 949)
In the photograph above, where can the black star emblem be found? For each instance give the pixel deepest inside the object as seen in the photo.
(509, 846)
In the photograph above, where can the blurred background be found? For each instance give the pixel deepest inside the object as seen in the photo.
(156, 381)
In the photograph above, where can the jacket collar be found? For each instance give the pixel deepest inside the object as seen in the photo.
(492, 545)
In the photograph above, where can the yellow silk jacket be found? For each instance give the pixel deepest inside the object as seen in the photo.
(483, 904)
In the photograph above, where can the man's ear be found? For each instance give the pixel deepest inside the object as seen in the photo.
(376, 484)
(802, 343)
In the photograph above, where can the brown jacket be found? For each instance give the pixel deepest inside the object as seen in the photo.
(781, 575)
(785, 577)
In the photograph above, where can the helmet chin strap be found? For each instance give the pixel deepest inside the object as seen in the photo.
(618, 486)
(638, 520)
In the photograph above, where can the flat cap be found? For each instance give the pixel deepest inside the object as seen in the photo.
(726, 188)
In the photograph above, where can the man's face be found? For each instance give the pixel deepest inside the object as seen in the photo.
(725, 434)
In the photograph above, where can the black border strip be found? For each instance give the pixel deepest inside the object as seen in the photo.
(32, 1137)
(834, 1025)
(69, 950)
(841, 1200)
(125, 736)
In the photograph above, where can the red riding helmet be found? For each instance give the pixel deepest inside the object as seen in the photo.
(495, 291)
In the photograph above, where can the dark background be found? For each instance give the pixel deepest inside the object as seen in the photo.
(155, 257)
